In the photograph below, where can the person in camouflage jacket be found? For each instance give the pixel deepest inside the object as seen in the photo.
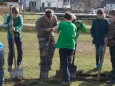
(110, 39)
(45, 26)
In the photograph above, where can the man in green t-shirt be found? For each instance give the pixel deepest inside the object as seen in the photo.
(66, 44)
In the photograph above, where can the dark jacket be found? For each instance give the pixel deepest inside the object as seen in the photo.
(99, 30)
(111, 35)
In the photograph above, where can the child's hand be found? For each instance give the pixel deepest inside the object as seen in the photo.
(11, 23)
(12, 29)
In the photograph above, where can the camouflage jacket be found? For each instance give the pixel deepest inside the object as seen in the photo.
(42, 25)
(111, 35)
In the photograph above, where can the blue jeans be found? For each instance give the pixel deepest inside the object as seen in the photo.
(99, 51)
(65, 62)
(1, 66)
(19, 50)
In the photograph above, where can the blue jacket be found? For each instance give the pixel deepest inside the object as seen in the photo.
(99, 30)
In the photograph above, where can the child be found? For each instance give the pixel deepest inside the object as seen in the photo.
(80, 25)
(110, 39)
(66, 44)
(99, 30)
(17, 23)
(1, 63)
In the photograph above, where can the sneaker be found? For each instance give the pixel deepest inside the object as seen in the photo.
(65, 83)
(18, 66)
(97, 67)
(9, 68)
(111, 82)
(111, 75)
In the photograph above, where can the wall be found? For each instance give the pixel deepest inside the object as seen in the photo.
(110, 6)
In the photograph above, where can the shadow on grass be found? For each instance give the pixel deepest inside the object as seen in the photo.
(35, 82)
(86, 79)
(89, 78)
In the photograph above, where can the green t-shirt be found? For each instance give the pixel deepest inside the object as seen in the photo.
(67, 36)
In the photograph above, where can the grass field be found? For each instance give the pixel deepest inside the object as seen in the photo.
(85, 61)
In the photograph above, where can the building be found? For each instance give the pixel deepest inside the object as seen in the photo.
(31, 5)
(41, 5)
(109, 4)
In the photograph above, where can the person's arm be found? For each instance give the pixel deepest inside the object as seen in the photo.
(107, 27)
(58, 28)
(6, 22)
(55, 23)
(20, 24)
(92, 29)
(108, 33)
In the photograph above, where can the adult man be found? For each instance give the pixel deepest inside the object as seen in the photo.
(45, 26)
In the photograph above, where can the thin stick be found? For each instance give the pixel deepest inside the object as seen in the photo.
(102, 59)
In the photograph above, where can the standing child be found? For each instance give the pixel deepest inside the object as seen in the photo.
(99, 30)
(17, 23)
(66, 44)
(110, 39)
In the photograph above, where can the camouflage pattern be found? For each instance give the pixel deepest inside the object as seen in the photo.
(47, 48)
(111, 35)
(46, 41)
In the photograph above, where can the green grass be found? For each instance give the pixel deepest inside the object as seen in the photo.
(85, 61)
(1, 19)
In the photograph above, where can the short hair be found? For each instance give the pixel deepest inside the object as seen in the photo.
(100, 11)
(15, 10)
(68, 16)
(49, 13)
(112, 12)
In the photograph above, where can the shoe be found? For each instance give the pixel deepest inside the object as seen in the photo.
(111, 75)
(97, 67)
(65, 83)
(9, 68)
(111, 82)
(18, 66)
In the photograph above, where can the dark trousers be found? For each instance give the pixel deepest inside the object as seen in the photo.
(19, 50)
(47, 48)
(112, 54)
(65, 61)
(99, 51)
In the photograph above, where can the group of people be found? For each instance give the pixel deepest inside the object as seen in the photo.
(102, 31)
